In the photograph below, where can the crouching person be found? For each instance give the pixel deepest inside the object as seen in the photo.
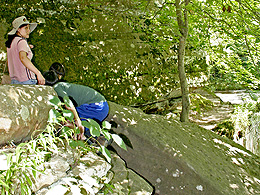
(88, 103)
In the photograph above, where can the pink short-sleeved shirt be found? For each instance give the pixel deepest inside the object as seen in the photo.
(16, 68)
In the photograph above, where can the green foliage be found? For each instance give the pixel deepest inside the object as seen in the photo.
(23, 164)
(127, 50)
(199, 103)
(108, 188)
(225, 128)
(114, 52)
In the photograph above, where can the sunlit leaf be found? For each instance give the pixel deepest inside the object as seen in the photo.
(105, 153)
(28, 179)
(106, 134)
(68, 115)
(93, 127)
(119, 141)
(34, 173)
(53, 116)
(67, 101)
(55, 101)
(17, 154)
(106, 125)
(4, 184)
(9, 159)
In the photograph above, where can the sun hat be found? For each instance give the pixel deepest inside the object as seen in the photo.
(20, 21)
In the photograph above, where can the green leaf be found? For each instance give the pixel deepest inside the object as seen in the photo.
(77, 131)
(76, 143)
(106, 134)
(68, 115)
(55, 101)
(4, 184)
(106, 125)
(65, 131)
(17, 154)
(9, 159)
(34, 173)
(67, 101)
(119, 141)
(81, 143)
(85, 124)
(53, 116)
(73, 143)
(22, 145)
(23, 188)
(105, 153)
(93, 127)
(28, 179)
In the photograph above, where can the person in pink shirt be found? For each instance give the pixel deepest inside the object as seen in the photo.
(19, 54)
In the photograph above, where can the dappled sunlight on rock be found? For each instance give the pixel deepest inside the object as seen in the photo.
(183, 157)
(13, 95)
(234, 186)
(24, 109)
(232, 150)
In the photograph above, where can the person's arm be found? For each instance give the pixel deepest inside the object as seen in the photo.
(27, 63)
(77, 121)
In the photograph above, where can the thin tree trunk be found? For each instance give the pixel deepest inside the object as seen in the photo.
(183, 81)
(183, 28)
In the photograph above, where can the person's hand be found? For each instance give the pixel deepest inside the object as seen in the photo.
(41, 79)
(81, 136)
(69, 124)
(31, 46)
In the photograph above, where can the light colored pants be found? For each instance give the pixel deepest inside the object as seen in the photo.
(29, 82)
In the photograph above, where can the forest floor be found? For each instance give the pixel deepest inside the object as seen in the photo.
(210, 117)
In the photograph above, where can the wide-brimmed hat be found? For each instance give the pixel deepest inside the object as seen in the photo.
(19, 22)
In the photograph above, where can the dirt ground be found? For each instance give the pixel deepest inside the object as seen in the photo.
(209, 118)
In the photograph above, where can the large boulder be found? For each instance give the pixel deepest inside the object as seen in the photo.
(183, 158)
(24, 111)
(69, 172)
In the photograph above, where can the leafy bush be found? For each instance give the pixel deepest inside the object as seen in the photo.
(225, 128)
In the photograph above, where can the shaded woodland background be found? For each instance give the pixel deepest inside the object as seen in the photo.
(127, 50)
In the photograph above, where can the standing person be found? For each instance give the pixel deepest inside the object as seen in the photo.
(19, 54)
(88, 103)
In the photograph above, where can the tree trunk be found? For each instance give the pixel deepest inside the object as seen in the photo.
(183, 81)
(182, 19)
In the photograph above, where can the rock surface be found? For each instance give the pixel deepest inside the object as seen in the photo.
(86, 174)
(26, 109)
(183, 158)
(23, 110)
